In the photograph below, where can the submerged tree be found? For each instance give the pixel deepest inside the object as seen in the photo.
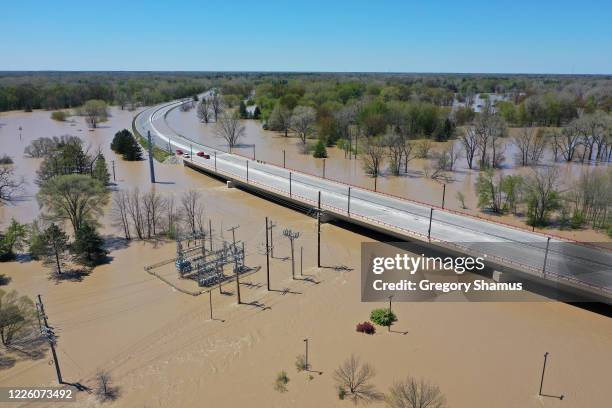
(17, 314)
(95, 111)
(410, 393)
(229, 128)
(303, 121)
(353, 381)
(55, 242)
(73, 197)
(88, 246)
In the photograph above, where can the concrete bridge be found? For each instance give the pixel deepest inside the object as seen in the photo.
(581, 269)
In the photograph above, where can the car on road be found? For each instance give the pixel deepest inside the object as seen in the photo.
(204, 155)
(185, 156)
(179, 152)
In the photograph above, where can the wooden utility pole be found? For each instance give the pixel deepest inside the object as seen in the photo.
(545, 257)
(50, 335)
(348, 206)
(210, 238)
(267, 257)
(210, 303)
(323, 168)
(284, 157)
(301, 261)
(114, 178)
(290, 193)
(247, 169)
(272, 225)
(319, 233)
(292, 237)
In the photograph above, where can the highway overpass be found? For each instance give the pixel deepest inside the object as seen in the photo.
(580, 268)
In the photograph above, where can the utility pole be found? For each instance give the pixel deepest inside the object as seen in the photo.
(301, 261)
(210, 303)
(390, 297)
(443, 194)
(375, 180)
(247, 168)
(210, 238)
(323, 168)
(233, 229)
(215, 161)
(267, 257)
(20, 129)
(289, 184)
(50, 335)
(429, 230)
(545, 257)
(284, 157)
(560, 397)
(272, 225)
(319, 233)
(254, 152)
(151, 168)
(306, 362)
(292, 237)
(114, 178)
(348, 206)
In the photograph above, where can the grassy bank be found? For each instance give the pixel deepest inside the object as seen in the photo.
(158, 154)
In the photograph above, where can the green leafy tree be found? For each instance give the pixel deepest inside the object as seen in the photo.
(100, 170)
(17, 314)
(56, 245)
(95, 111)
(73, 197)
(319, 150)
(256, 113)
(383, 317)
(124, 144)
(88, 246)
(12, 240)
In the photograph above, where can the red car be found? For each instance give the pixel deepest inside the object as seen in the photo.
(179, 152)
(204, 155)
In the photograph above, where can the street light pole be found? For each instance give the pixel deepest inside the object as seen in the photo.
(306, 362)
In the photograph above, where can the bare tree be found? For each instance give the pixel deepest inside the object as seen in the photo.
(152, 203)
(541, 194)
(104, 388)
(570, 139)
(9, 185)
(353, 380)
(229, 128)
(119, 212)
(489, 129)
(193, 210)
(302, 122)
(373, 152)
(395, 152)
(136, 213)
(469, 140)
(204, 110)
(171, 216)
(530, 143)
(216, 104)
(410, 393)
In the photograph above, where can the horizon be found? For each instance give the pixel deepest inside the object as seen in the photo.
(521, 38)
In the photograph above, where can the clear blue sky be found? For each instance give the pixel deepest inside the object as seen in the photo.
(535, 36)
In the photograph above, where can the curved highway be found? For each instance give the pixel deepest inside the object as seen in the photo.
(587, 268)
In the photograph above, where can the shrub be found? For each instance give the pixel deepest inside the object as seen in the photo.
(281, 382)
(366, 327)
(300, 363)
(60, 116)
(383, 317)
(320, 151)
(6, 159)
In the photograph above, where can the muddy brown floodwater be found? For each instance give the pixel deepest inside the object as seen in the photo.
(163, 351)
(414, 185)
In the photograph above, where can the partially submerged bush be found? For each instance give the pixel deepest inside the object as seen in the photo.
(281, 382)
(6, 159)
(300, 363)
(60, 116)
(366, 327)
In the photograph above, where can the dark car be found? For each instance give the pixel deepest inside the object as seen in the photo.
(204, 155)
(179, 152)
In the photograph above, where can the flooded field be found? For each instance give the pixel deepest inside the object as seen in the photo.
(163, 351)
(269, 147)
